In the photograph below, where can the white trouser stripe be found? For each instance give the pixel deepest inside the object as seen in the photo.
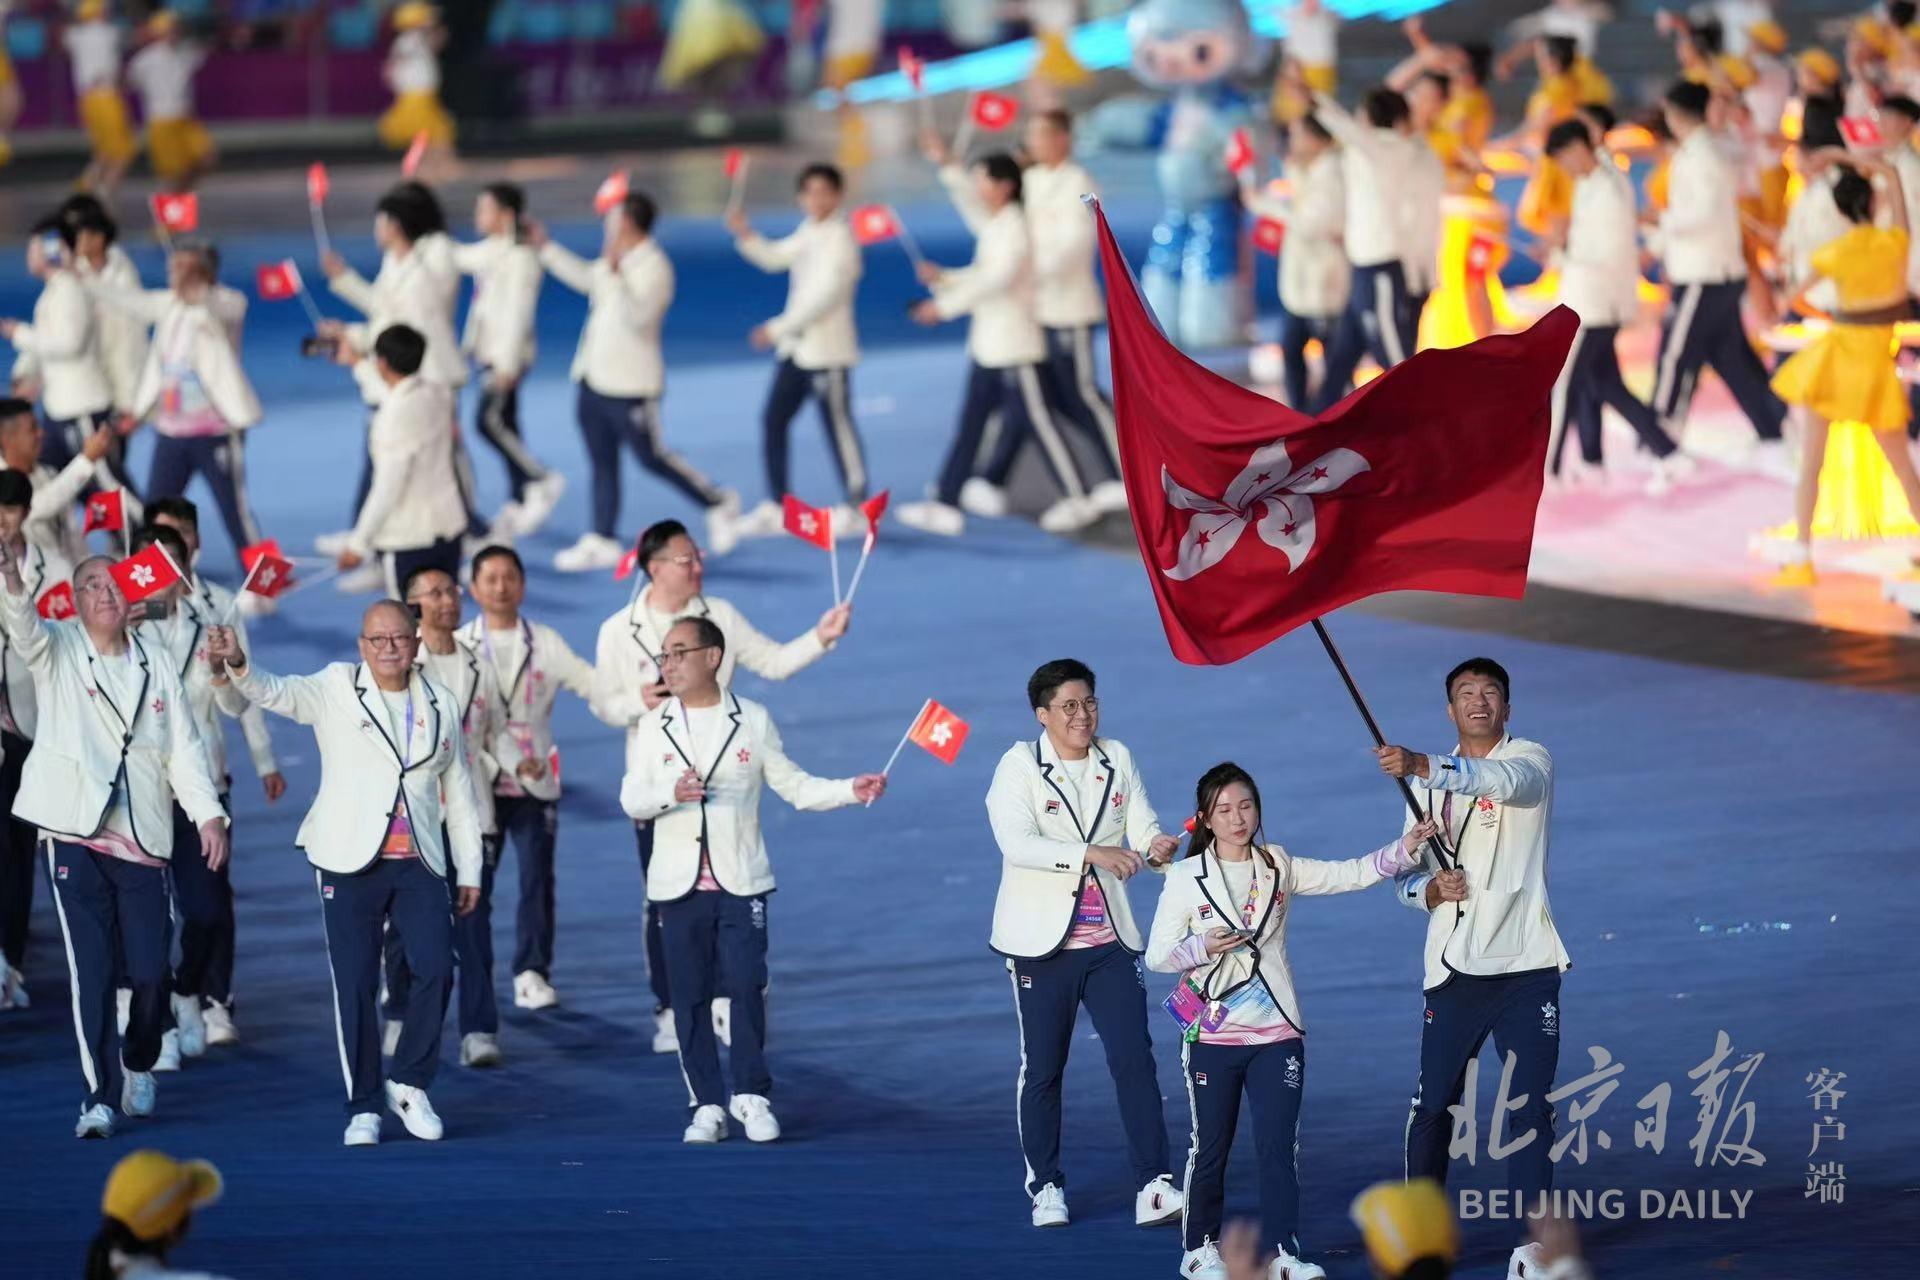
(649, 412)
(493, 421)
(1664, 400)
(831, 385)
(1193, 1136)
(1559, 409)
(1387, 316)
(333, 979)
(1020, 1081)
(1090, 390)
(73, 976)
(237, 478)
(1045, 430)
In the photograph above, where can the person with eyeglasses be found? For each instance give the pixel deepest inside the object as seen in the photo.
(1221, 924)
(696, 765)
(628, 684)
(1070, 814)
(116, 746)
(394, 816)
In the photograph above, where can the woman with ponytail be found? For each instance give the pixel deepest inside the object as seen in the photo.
(1222, 925)
(145, 1212)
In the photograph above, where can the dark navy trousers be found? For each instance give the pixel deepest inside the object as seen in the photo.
(716, 945)
(204, 899)
(650, 925)
(355, 908)
(608, 423)
(104, 904)
(1378, 322)
(531, 823)
(1522, 1013)
(832, 389)
(472, 971)
(1272, 1076)
(1047, 996)
(219, 460)
(19, 846)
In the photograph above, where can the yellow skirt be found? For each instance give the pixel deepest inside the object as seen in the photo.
(411, 115)
(177, 147)
(1847, 374)
(1288, 105)
(1056, 63)
(104, 112)
(707, 33)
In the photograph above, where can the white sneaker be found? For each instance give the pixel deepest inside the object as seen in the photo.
(980, 497)
(363, 1130)
(723, 1021)
(755, 1115)
(254, 605)
(709, 1125)
(332, 544)
(191, 1024)
(1203, 1263)
(932, 517)
(531, 991)
(508, 523)
(390, 1038)
(1772, 458)
(764, 521)
(95, 1121)
(723, 524)
(1069, 515)
(1050, 1207)
(848, 522)
(1527, 1262)
(169, 1059)
(1157, 1202)
(664, 1038)
(590, 554)
(122, 1009)
(1675, 468)
(478, 1049)
(1108, 495)
(220, 1028)
(541, 497)
(415, 1111)
(367, 579)
(1288, 1267)
(13, 989)
(138, 1093)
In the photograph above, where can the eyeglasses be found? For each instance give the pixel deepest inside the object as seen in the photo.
(97, 586)
(679, 655)
(679, 562)
(388, 643)
(436, 592)
(1074, 706)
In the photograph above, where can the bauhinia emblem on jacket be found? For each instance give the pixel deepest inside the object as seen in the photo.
(1269, 495)
(745, 755)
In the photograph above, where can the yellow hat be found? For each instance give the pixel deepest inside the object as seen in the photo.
(91, 10)
(414, 14)
(1403, 1222)
(152, 1194)
(1769, 36)
(1819, 62)
(162, 21)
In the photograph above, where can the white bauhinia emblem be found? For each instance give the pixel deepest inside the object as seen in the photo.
(266, 575)
(141, 575)
(1267, 494)
(807, 524)
(941, 733)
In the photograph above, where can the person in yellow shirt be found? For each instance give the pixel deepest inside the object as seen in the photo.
(412, 71)
(1464, 123)
(93, 46)
(1848, 374)
(1547, 199)
(178, 145)
(1312, 45)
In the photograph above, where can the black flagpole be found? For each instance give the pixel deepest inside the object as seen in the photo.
(1447, 860)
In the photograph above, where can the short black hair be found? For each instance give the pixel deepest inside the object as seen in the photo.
(1561, 51)
(85, 212)
(15, 489)
(1820, 124)
(508, 195)
(1482, 667)
(1479, 60)
(1602, 116)
(1853, 196)
(413, 208)
(1566, 134)
(1688, 98)
(13, 407)
(168, 537)
(1001, 167)
(495, 551)
(1709, 37)
(640, 210)
(181, 509)
(1902, 106)
(1046, 681)
(655, 537)
(1384, 108)
(823, 171)
(706, 629)
(1900, 12)
(420, 571)
(402, 347)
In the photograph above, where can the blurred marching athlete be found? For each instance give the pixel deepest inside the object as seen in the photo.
(1060, 807)
(500, 338)
(622, 377)
(104, 266)
(116, 745)
(695, 767)
(1493, 958)
(1222, 925)
(394, 816)
(531, 664)
(1006, 349)
(815, 340)
(628, 682)
(1314, 274)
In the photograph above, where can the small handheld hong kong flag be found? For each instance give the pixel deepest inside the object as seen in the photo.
(809, 524)
(873, 508)
(317, 184)
(1480, 258)
(416, 152)
(177, 212)
(277, 281)
(1860, 131)
(148, 573)
(736, 161)
(1269, 234)
(994, 111)
(610, 192)
(56, 602)
(1239, 152)
(939, 732)
(106, 510)
(873, 223)
(914, 70)
(628, 563)
(268, 571)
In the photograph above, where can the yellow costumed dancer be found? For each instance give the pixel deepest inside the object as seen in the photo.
(178, 145)
(413, 73)
(93, 45)
(855, 29)
(1312, 44)
(1848, 373)
(1055, 67)
(708, 51)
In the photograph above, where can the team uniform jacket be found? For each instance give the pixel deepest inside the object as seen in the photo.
(1505, 925)
(410, 290)
(198, 330)
(1375, 163)
(619, 351)
(40, 572)
(85, 741)
(123, 338)
(415, 498)
(1066, 295)
(727, 821)
(1699, 233)
(361, 778)
(506, 293)
(1043, 828)
(50, 525)
(822, 261)
(176, 641)
(61, 348)
(996, 289)
(547, 665)
(1600, 267)
(469, 677)
(1315, 277)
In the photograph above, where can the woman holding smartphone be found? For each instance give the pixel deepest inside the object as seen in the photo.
(1222, 925)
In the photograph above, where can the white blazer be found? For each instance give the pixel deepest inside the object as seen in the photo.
(214, 602)
(1196, 900)
(619, 351)
(1376, 164)
(361, 778)
(1502, 832)
(415, 498)
(50, 524)
(123, 338)
(476, 697)
(1315, 276)
(506, 293)
(19, 709)
(410, 290)
(1066, 294)
(86, 740)
(545, 665)
(1699, 233)
(1043, 828)
(62, 349)
(822, 261)
(203, 337)
(1600, 267)
(626, 655)
(728, 819)
(996, 289)
(1813, 222)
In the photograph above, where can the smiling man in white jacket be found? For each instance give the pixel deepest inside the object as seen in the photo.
(1493, 957)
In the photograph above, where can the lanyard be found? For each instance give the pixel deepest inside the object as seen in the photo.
(526, 638)
(1253, 891)
(406, 733)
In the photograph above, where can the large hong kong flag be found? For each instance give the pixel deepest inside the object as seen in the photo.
(1254, 519)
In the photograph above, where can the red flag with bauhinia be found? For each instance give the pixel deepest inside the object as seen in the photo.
(610, 193)
(1239, 151)
(939, 732)
(105, 510)
(1860, 131)
(268, 571)
(994, 111)
(56, 602)
(1480, 258)
(873, 223)
(140, 576)
(179, 212)
(809, 524)
(1253, 519)
(1269, 234)
(316, 184)
(277, 281)
(875, 507)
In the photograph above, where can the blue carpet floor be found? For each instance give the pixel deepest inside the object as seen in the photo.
(1732, 853)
